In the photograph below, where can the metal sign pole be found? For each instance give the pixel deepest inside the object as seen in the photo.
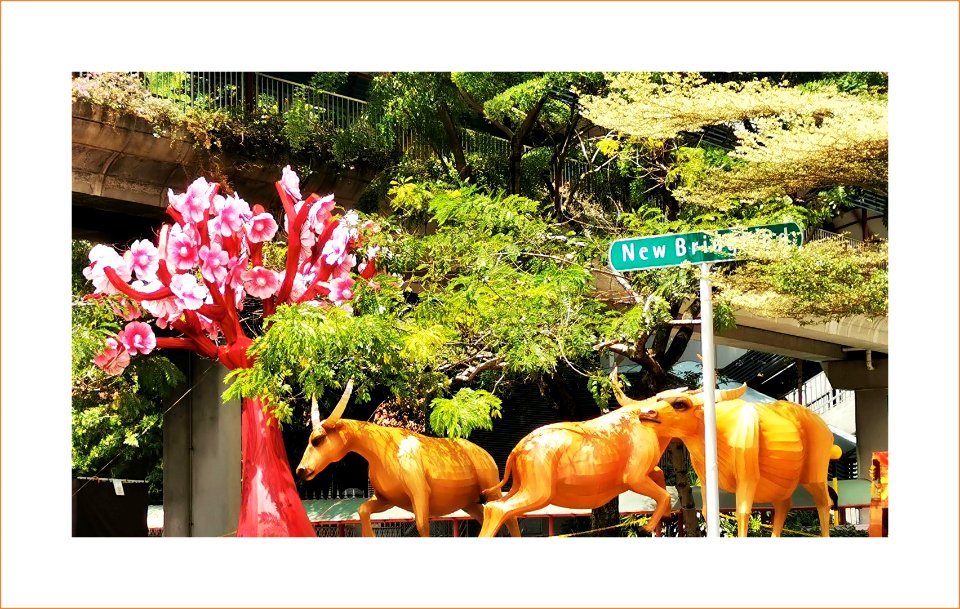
(712, 495)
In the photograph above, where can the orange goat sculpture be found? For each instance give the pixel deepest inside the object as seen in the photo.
(764, 451)
(424, 475)
(586, 464)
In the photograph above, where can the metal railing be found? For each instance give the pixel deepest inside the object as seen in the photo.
(819, 395)
(831, 400)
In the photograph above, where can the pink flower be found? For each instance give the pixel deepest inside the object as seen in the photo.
(101, 257)
(262, 227)
(299, 286)
(211, 328)
(235, 270)
(197, 200)
(291, 183)
(164, 309)
(213, 262)
(182, 250)
(371, 226)
(260, 282)
(145, 259)
(137, 337)
(336, 246)
(320, 213)
(113, 359)
(307, 238)
(235, 211)
(194, 203)
(348, 262)
(189, 294)
(341, 290)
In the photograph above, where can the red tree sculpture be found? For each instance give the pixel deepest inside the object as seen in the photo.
(195, 279)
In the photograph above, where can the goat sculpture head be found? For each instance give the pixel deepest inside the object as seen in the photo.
(679, 410)
(327, 443)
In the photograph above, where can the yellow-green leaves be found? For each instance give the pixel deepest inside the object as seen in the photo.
(466, 411)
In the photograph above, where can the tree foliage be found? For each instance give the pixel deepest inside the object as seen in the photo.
(116, 420)
(791, 140)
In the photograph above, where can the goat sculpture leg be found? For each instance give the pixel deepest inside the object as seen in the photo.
(821, 497)
(745, 493)
(647, 486)
(371, 506)
(780, 510)
(477, 512)
(530, 498)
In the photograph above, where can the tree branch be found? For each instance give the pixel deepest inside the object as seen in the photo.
(468, 375)
(478, 108)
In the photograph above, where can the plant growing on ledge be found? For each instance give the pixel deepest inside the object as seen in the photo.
(197, 278)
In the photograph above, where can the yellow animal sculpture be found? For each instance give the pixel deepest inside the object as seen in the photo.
(430, 477)
(764, 451)
(585, 465)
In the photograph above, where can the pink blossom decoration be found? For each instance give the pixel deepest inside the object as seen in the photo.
(235, 211)
(262, 228)
(291, 183)
(182, 250)
(189, 294)
(197, 200)
(114, 359)
(299, 286)
(164, 309)
(138, 337)
(336, 246)
(213, 261)
(320, 213)
(260, 282)
(341, 289)
(101, 257)
(145, 259)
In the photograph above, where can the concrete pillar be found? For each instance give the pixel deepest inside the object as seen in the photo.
(201, 457)
(871, 409)
(871, 427)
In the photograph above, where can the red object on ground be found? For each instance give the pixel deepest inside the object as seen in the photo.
(269, 503)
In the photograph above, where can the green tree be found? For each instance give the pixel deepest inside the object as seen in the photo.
(117, 421)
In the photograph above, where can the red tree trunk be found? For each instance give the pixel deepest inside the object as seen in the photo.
(269, 503)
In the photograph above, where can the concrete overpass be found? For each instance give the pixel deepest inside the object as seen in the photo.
(122, 170)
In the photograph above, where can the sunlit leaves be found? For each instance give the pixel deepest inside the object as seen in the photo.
(466, 411)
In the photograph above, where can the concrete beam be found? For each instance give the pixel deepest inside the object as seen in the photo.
(855, 331)
(854, 374)
(755, 339)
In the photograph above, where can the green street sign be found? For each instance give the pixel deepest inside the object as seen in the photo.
(661, 251)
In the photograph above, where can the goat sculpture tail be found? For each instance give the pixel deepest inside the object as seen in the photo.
(835, 452)
(488, 493)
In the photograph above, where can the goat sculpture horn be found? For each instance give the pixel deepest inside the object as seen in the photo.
(315, 413)
(621, 397)
(341, 405)
(731, 394)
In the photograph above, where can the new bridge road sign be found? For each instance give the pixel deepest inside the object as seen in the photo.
(661, 251)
